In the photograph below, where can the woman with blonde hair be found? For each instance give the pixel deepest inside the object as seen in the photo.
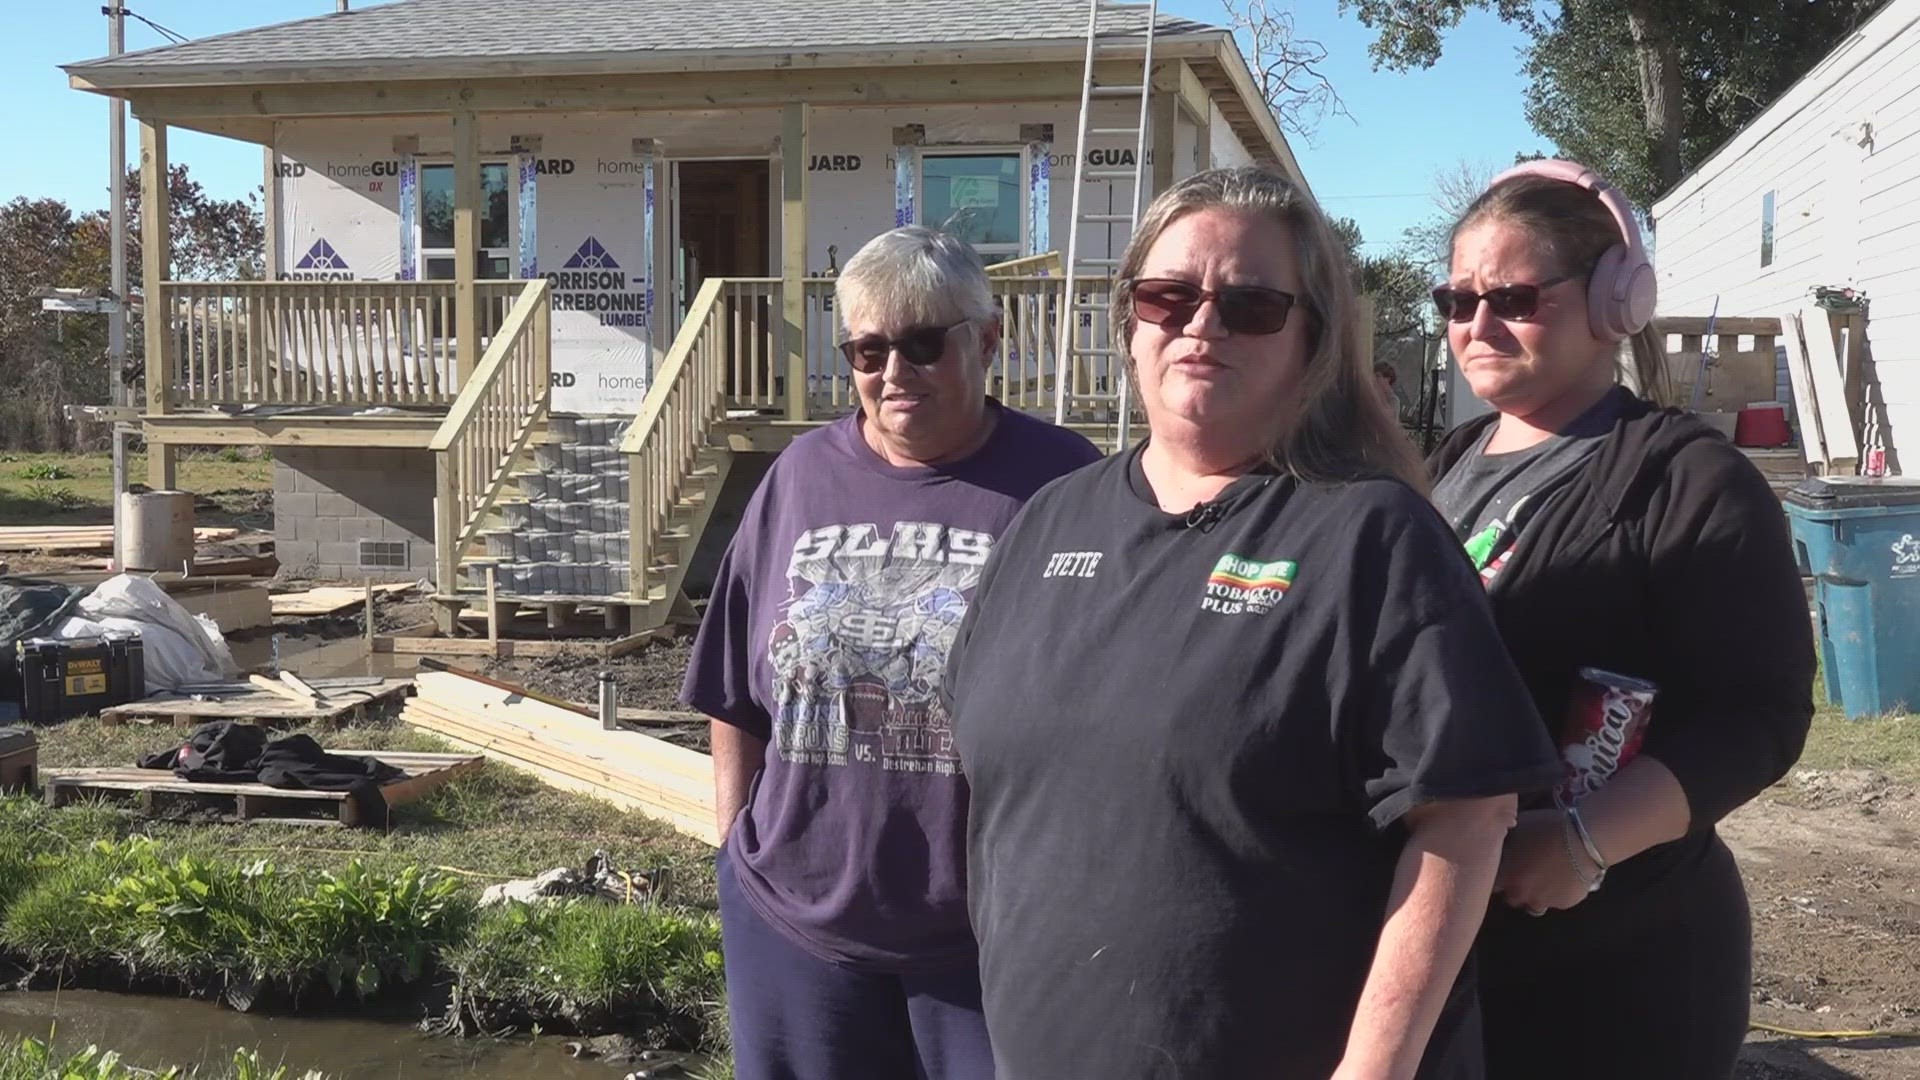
(1242, 737)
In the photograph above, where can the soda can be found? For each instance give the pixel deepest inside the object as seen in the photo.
(1606, 723)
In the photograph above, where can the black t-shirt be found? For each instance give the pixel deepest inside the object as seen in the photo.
(1189, 739)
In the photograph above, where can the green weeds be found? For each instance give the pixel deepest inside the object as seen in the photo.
(31, 1059)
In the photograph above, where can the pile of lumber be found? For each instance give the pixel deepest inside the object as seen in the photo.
(567, 747)
(82, 538)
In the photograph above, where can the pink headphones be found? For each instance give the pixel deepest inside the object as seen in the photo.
(1622, 292)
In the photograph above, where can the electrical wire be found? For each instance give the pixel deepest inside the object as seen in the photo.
(177, 38)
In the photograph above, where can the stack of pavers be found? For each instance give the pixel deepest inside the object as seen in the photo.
(567, 533)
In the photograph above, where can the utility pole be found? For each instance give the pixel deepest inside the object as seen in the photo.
(117, 317)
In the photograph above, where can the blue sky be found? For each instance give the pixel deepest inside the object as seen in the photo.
(1376, 168)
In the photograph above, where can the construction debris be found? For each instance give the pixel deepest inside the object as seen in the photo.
(330, 599)
(599, 878)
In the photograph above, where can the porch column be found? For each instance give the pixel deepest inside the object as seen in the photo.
(466, 243)
(156, 265)
(793, 254)
(1163, 116)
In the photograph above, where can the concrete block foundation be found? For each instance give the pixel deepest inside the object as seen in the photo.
(327, 500)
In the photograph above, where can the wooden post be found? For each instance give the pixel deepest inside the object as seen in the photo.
(793, 254)
(466, 242)
(493, 609)
(446, 517)
(1163, 111)
(156, 263)
(369, 628)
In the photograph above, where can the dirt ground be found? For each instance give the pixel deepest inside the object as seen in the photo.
(1834, 880)
(648, 679)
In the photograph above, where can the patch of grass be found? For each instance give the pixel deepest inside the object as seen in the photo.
(584, 957)
(197, 898)
(1883, 744)
(89, 477)
(56, 498)
(31, 1059)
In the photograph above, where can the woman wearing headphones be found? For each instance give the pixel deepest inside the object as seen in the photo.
(1631, 555)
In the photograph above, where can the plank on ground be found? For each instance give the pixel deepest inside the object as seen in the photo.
(83, 537)
(491, 702)
(260, 704)
(604, 765)
(328, 599)
(705, 830)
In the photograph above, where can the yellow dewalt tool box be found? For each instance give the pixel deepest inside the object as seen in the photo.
(61, 678)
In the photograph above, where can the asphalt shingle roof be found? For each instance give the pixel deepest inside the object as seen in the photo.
(452, 30)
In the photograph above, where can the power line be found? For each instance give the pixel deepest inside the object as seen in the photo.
(178, 39)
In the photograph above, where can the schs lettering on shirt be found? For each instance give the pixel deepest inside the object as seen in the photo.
(915, 541)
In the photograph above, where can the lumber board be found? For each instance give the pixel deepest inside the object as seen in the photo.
(1813, 445)
(1829, 391)
(278, 689)
(445, 688)
(260, 704)
(329, 599)
(705, 831)
(83, 537)
(695, 815)
(611, 761)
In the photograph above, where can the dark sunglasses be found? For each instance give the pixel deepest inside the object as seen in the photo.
(1244, 309)
(922, 345)
(1513, 302)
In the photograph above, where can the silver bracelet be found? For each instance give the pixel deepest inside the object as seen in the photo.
(1575, 824)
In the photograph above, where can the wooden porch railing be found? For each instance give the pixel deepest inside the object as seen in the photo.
(1021, 377)
(1041, 265)
(489, 425)
(687, 398)
(320, 343)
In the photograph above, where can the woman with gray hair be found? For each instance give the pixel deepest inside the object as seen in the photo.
(1241, 772)
(841, 801)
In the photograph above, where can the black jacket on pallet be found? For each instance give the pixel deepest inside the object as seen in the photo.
(229, 752)
(1667, 558)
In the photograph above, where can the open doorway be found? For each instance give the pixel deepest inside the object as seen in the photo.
(722, 229)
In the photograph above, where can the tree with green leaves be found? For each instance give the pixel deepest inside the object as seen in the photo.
(1641, 90)
(48, 361)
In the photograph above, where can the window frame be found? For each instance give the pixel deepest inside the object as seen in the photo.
(423, 254)
(989, 252)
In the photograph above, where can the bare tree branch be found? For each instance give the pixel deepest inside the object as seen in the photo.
(1285, 65)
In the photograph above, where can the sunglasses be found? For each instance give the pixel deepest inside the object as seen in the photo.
(921, 346)
(1510, 302)
(1244, 309)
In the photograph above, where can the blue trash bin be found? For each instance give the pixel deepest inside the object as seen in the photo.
(1860, 539)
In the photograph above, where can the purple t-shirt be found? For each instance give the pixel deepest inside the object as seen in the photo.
(827, 635)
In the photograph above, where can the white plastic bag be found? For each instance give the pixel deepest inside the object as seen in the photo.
(178, 648)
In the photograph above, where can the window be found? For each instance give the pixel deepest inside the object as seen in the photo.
(1766, 229)
(436, 222)
(975, 196)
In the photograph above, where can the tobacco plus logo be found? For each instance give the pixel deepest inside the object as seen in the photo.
(591, 256)
(1240, 585)
(321, 263)
(591, 280)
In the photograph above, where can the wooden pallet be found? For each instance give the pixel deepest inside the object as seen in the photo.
(154, 789)
(347, 699)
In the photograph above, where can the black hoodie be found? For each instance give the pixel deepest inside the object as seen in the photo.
(1668, 558)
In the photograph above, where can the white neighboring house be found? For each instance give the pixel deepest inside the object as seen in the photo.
(1821, 189)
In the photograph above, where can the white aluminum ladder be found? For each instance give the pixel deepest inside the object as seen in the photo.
(1094, 277)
